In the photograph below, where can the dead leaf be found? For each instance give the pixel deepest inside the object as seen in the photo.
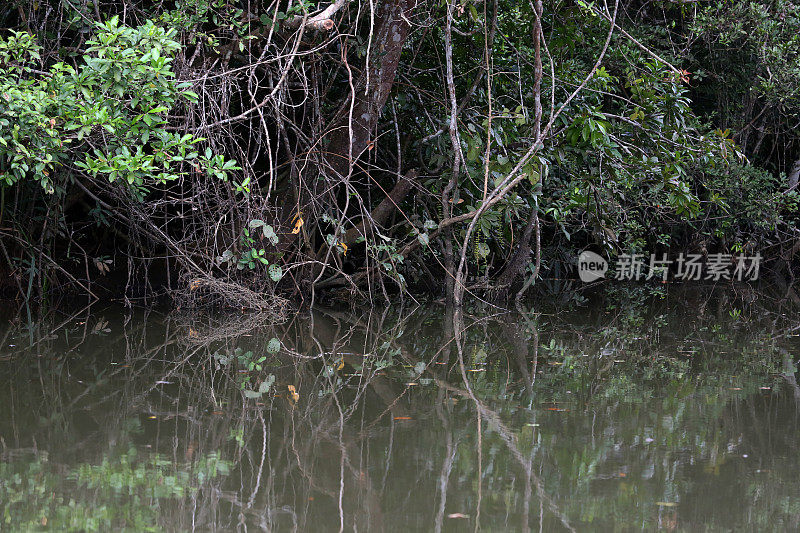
(102, 266)
(297, 225)
(293, 393)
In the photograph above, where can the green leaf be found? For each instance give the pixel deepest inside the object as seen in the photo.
(274, 345)
(266, 384)
(275, 272)
(269, 233)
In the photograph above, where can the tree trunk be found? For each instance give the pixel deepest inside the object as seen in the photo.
(353, 130)
(521, 256)
(794, 175)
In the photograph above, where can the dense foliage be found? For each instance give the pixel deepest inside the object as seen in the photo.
(226, 151)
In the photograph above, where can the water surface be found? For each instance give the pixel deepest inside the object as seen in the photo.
(644, 409)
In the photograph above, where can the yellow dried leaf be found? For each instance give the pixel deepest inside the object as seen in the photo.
(297, 225)
(293, 393)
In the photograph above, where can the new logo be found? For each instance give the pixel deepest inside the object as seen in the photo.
(591, 266)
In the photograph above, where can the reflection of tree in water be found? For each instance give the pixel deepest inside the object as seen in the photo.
(406, 419)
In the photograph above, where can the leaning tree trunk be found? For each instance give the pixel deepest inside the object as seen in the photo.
(357, 118)
(354, 125)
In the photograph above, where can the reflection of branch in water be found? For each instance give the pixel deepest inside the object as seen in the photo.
(509, 439)
(447, 464)
(328, 445)
(789, 373)
(494, 419)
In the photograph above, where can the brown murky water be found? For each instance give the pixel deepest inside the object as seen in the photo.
(639, 410)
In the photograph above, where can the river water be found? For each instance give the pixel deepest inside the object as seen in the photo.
(641, 409)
